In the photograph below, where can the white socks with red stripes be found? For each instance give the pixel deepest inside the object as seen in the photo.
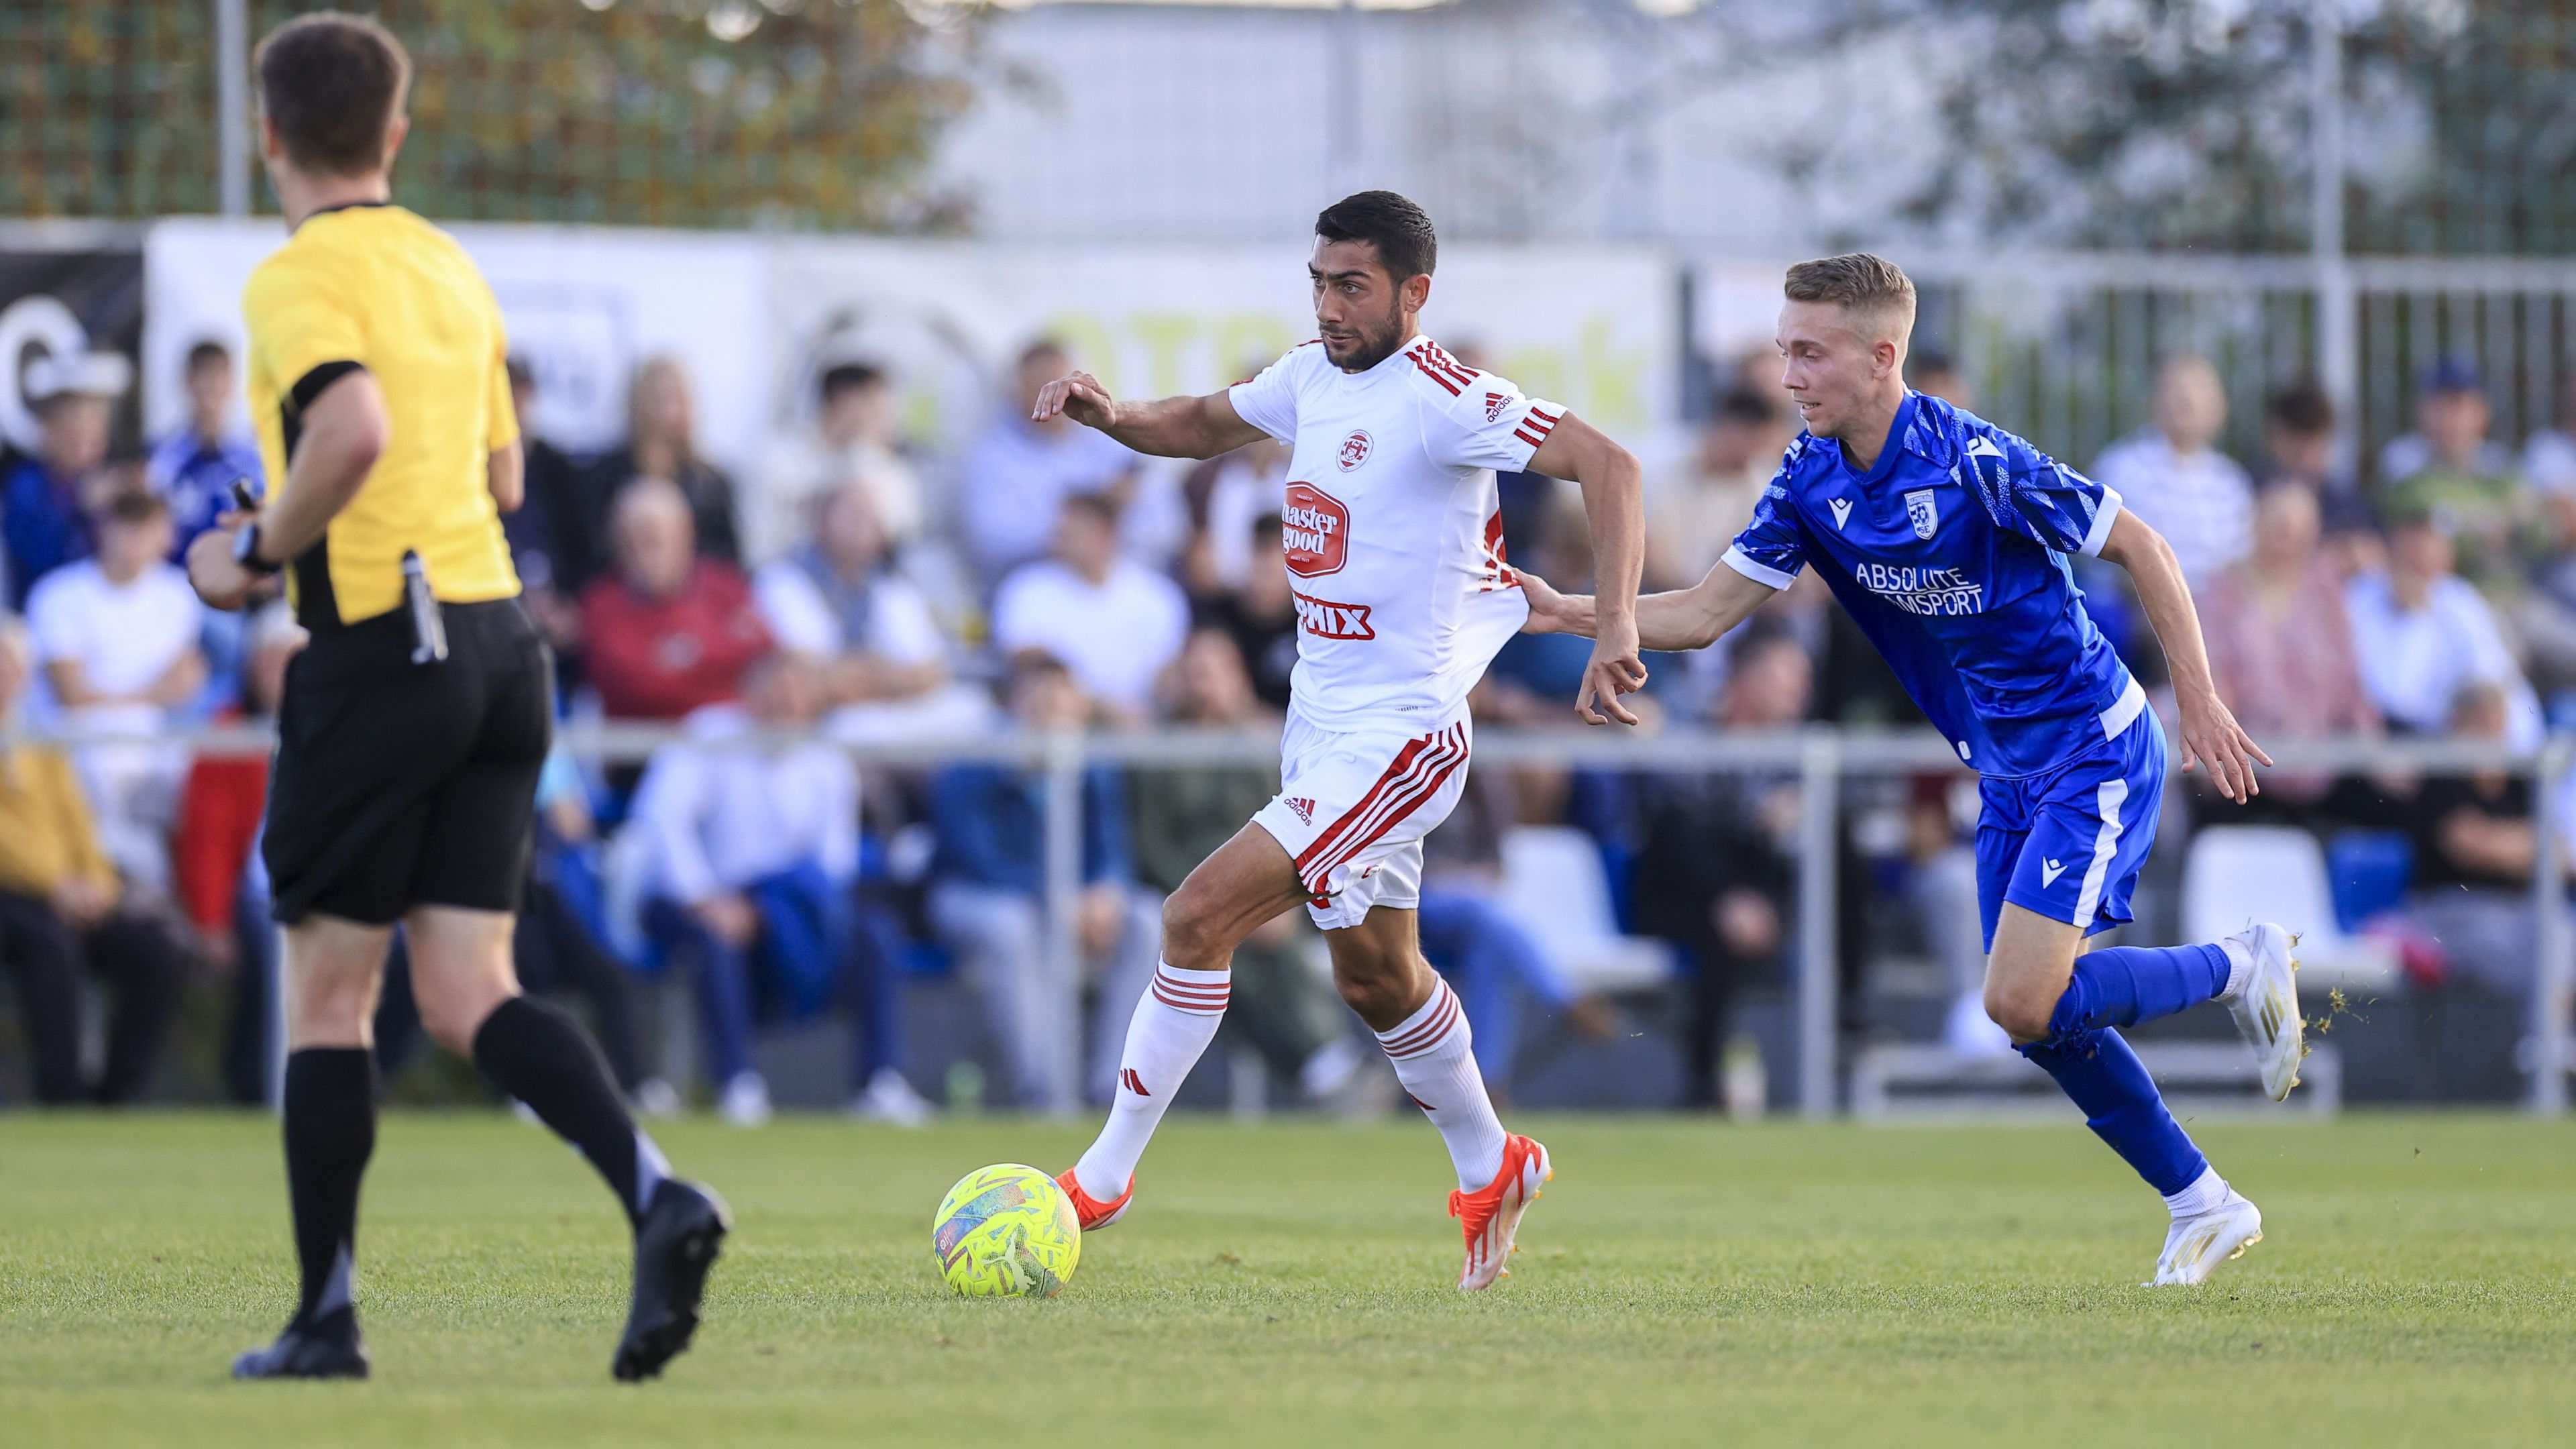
(1175, 1020)
(1434, 1057)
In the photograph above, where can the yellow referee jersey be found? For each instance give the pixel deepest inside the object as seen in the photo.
(378, 287)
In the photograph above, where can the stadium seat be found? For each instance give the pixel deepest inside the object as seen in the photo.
(1555, 888)
(2241, 873)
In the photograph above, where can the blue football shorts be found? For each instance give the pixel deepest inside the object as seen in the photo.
(2068, 843)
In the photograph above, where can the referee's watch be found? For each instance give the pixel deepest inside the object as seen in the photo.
(246, 551)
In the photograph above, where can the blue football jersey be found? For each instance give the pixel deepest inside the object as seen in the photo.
(1951, 554)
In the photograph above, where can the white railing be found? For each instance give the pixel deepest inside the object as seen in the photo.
(1820, 756)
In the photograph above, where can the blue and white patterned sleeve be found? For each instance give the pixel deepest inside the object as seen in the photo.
(1773, 547)
(2034, 495)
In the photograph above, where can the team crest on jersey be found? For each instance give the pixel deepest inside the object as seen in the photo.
(1355, 449)
(1314, 531)
(1495, 402)
(1920, 509)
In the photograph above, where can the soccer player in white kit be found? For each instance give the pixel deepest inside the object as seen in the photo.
(1393, 536)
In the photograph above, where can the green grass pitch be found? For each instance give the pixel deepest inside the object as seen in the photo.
(1683, 1282)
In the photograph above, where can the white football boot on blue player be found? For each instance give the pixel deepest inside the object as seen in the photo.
(2263, 996)
(2197, 1244)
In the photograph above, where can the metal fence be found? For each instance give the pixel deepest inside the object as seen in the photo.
(1824, 758)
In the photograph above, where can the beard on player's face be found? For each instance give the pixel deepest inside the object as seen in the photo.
(1364, 341)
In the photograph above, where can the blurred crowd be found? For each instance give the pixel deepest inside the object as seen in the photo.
(847, 585)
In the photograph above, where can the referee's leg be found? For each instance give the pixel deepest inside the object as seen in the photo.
(332, 972)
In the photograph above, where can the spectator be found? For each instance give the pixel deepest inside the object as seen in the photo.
(2280, 641)
(662, 443)
(987, 900)
(215, 868)
(549, 533)
(1224, 495)
(2175, 479)
(1936, 374)
(1697, 510)
(2423, 634)
(117, 635)
(752, 855)
(853, 440)
(1717, 870)
(2549, 459)
(2451, 468)
(835, 600)
(46, 499)
(59, 913)
(671, 629)
(1261, 617)
(1015, 479)
(1493, 962)
(1178, 816)
(2475, 849)
(195, 467)
(2299, 447)
(1114, 622)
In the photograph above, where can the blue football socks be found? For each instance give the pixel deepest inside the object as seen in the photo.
(2097, 1069)
(2125, 985)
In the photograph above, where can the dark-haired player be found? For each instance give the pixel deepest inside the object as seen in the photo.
(1394, 541)
(404, 787)
(1947, 538)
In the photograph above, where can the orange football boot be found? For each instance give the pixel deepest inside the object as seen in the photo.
(1492, 1214)
(1090, 1211)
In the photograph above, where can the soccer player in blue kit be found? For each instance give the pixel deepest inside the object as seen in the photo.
(1947, 539)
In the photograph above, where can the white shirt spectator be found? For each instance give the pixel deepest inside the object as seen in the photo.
(1014, 481)
(719, 819)
(2202, 502)
(2415, 662)
(123, 636)
(1115, 636)
(2549, 461)
(900, 625)
(777, 506)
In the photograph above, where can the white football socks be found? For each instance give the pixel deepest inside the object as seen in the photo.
(2202, 1194)
(1175, 1020)
(1434, 1057)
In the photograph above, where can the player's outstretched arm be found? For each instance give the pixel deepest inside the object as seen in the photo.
(1691, 618)
(1614, 502)
(1174, 427)
(2209, 729)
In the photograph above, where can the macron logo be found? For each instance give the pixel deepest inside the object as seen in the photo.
(2049, 871)
(1983, 447)
(1842, 513)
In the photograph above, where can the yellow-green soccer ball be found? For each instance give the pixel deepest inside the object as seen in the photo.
(1006, 1231)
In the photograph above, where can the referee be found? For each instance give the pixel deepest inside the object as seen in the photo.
(413, 726)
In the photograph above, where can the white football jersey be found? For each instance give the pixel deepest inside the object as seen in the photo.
(1394, 531)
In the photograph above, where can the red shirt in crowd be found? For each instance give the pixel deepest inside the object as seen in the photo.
(660, 658)
(219, 814)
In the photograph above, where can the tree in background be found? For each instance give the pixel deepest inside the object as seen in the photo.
(804, 114)
(2185, 123)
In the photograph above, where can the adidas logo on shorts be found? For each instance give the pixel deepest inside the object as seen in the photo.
(1304, 810)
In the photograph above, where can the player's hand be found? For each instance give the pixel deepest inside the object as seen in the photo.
(212, 571)
(1615, 670)
(1079, 396)
(1546, 605)
(2211, 734)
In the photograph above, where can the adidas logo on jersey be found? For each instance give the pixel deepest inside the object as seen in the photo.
(1304, 810)
(1495, 402)
(1842, 513)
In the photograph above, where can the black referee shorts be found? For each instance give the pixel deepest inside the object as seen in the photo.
(401, 785)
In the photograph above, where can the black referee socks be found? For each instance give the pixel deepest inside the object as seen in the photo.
(534, 1052)
(330, 1111)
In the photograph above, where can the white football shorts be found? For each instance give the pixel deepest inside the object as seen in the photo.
(1353, 807)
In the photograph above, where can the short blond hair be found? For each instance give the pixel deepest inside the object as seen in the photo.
(1860, 282)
